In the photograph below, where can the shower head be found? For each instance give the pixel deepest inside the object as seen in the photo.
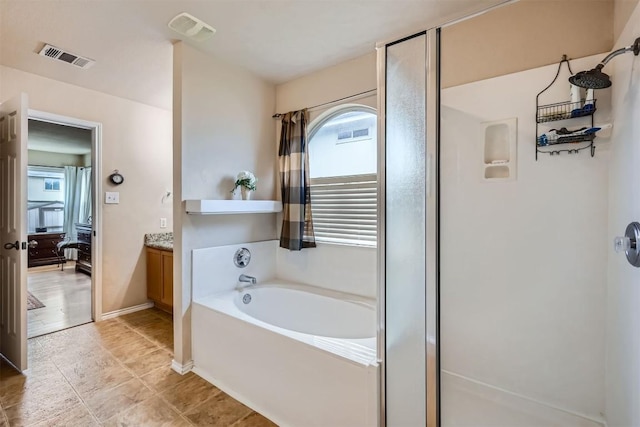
(595, 78)
(592, 79)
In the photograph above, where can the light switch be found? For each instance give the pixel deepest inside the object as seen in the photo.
(163, 222)
(111, 197)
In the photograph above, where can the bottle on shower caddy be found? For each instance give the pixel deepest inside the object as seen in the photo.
(589, 98)
(575, 96)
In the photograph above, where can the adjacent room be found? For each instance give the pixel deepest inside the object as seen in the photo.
(59, 227)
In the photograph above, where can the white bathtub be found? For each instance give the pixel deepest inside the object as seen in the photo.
(304, 309)
(300, 355)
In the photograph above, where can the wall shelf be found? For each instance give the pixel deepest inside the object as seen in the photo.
(231, 207)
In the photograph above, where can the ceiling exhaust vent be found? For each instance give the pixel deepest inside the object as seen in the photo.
(68, 57)
(191, 27)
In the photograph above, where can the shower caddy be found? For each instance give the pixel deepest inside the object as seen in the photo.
(563, 111)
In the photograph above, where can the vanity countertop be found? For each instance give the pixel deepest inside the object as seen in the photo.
(162, 241)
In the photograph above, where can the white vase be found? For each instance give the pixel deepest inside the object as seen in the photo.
(246, 193)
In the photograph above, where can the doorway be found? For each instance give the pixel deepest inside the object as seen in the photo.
(61, 219)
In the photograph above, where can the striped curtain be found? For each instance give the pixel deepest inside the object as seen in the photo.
(297, 225)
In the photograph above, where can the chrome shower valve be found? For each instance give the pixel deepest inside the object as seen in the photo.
(629, 244)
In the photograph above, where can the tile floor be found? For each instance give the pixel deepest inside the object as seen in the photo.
(114, 373)
(65, 294)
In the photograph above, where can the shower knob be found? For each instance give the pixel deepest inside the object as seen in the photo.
(630, 244)
(242, 257)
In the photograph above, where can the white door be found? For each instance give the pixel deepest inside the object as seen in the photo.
(13, 230)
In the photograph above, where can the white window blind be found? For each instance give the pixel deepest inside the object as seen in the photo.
(344, 209)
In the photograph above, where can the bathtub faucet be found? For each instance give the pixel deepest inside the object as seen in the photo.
(247, 279)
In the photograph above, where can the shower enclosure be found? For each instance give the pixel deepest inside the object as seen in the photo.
(407, 246)
(493, 266)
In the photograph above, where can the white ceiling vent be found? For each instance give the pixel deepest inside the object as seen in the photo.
(68, 57)
(191, 27)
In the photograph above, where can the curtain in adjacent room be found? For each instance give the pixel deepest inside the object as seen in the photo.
(84, 191)
(70, 208)
(297, 225)
(77, 203)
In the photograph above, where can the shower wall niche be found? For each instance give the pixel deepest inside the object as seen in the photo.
(499, 151)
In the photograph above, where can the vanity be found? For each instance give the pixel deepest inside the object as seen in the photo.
(159, 251)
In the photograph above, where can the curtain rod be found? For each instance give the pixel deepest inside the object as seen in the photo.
(346, 98)
(56, 167)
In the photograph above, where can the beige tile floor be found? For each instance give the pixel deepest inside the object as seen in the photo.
(65, 294)
(114, 373)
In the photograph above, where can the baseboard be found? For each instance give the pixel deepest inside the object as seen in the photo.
(182, 369)
(123, 311)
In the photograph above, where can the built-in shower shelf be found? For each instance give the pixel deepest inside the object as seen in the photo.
(231, 207)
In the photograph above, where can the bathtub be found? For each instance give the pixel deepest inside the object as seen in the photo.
(300, 355)
(304, 310)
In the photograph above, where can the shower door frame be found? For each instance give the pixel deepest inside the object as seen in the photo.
(431, 303)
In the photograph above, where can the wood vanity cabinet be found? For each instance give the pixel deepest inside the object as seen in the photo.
(160, 278)
(46, 251)
(83, 263)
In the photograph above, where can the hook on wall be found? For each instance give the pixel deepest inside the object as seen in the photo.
(166, 195)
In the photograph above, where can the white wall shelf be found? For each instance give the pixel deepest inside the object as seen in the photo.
(230, 207)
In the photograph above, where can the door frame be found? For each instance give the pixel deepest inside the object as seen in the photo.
(96, 205)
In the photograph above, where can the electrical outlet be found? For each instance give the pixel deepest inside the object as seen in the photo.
(163, 222)
(111, 197)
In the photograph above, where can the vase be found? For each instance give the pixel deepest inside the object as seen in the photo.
(246, 193)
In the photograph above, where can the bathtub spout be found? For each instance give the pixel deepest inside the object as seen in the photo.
(247, 279)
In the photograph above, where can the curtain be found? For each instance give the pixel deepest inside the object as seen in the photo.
(77, 203)
(297, 224)
(70, 208)
(84, 200)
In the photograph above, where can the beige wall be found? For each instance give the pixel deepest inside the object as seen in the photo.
(44, 158)
(622, 11)
(136, 139)
(348, 78)
(222, 125)
(525, 35)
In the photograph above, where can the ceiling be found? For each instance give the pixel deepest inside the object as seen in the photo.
(54, 138)
(278, 40)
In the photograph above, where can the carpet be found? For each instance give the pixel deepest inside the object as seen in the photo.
(33, 302)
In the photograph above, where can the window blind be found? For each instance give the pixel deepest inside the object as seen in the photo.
(344, 209)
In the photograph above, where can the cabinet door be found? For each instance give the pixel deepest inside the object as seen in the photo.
(167, 278)
(154, 274)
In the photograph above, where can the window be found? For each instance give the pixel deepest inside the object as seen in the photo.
(343, 167)
(45, 199)
(51, 184)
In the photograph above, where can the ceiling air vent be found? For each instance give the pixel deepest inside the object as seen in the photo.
(191, 27)
(68, 57)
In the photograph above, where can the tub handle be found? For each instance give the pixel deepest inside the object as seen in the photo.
(242, 257)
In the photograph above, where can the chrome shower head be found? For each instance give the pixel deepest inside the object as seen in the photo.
(595, 78)
(592, 79)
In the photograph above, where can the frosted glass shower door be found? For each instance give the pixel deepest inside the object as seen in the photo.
(408, 245)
